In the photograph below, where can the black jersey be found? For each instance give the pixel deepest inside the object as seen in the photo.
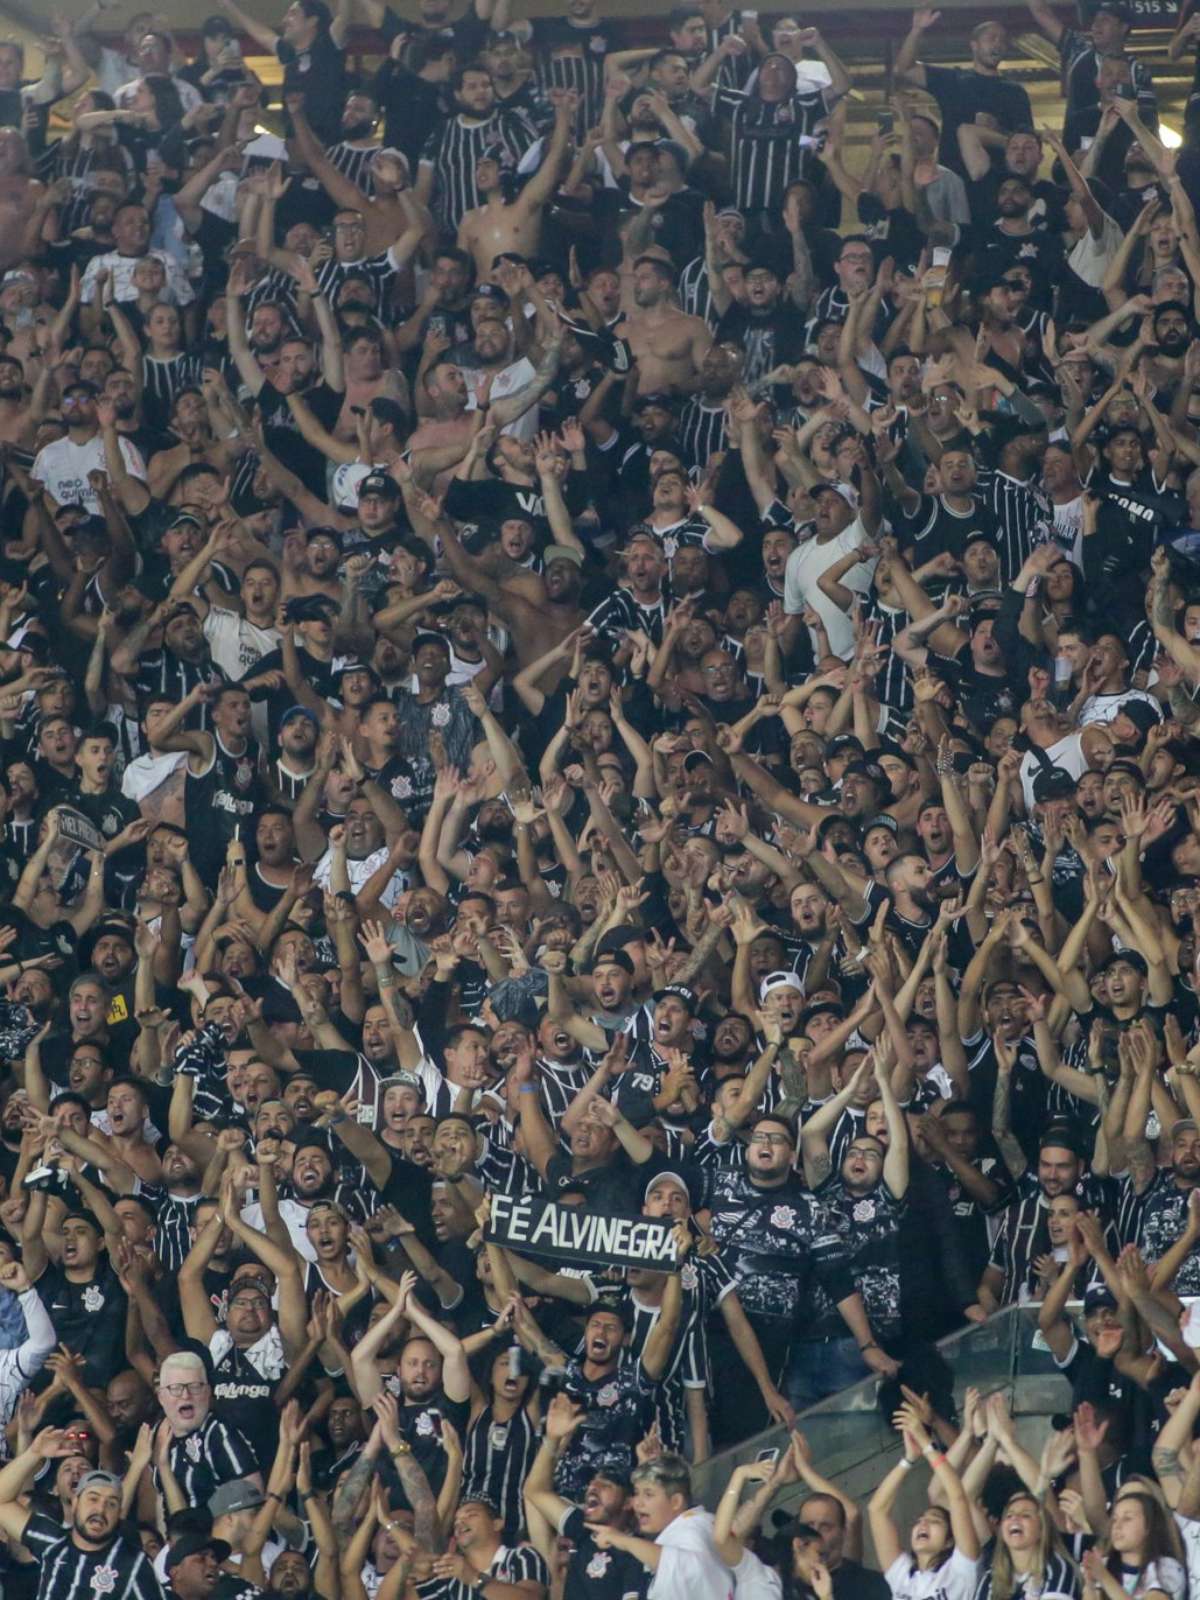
(497, 1456)
(217, 800)
(119, 1568)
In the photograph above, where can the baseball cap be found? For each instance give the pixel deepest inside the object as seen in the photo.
(293, 712)
(239, 1494)
(561, 552)
(1131, 958)
(843, 743)
(779, 980)
(1097, 1298)
(881, 821)
(681, 992)
(666, 1177)
(1141, 713)
(1053, 783)
(191, 1544)
(656, 398)
(379, 483)
(98, 1480)
(311, 608)
(868, 769)
(841, 489)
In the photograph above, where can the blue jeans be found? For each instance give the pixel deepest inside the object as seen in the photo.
(822, 1367)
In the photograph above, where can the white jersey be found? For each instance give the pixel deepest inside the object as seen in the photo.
(953, 1580)
(62, 469)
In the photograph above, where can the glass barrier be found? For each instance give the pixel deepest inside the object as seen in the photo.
(852, 1442)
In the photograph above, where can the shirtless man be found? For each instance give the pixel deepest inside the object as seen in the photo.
(19, 195)
(539, 610)
(19, 418)
(392, 210)
(367, 377)
(504, 225)
(668, 344)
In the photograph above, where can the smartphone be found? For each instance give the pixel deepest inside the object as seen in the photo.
(887, 121)
(940, 256)
(771, 1456)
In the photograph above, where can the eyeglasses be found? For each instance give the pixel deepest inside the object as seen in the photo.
(178, 1391)
(769, 1138)
(249, 1302)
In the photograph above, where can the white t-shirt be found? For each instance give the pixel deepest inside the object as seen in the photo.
(1067, 753)
(150, 772)
(359, 871)
(1166, 1575)
(236, 644)
(1090, 257)
(690, 1568)
(1189, 1527)
(1105, 708)
(295, 1219)
(506, 382)
(178, 291)
(954, 1580)
(808, 562)
(755, 1581)
(63, 466)
(1068, 528)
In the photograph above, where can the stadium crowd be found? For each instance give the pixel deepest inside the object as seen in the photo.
(568, 652)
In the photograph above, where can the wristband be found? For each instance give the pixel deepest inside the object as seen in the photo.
(528, 1088)
(271, 1495)
(906, 1463)
(870, 1345)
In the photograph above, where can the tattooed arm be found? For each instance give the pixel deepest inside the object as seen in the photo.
(351, 1485)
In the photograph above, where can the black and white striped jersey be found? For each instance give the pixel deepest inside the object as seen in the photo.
(353, 161)
(1022, 518)
(454, 151)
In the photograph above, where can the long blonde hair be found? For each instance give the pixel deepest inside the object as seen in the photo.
(1004, 1575)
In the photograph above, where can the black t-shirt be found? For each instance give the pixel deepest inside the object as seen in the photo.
(319, 674)
(769, 339)
(961, 94)
(89, 1318)
(420, 1423)
(982, 697)
(595, 1574)
(319, 74)
(284, 438)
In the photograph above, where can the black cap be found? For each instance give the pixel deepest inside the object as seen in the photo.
(845, 741)
(681, 992)
(1053, 783)
(379, 483)
(657, 398)
(191, 1544)
(311, 608)
(1097, 1297)
(868, 769)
